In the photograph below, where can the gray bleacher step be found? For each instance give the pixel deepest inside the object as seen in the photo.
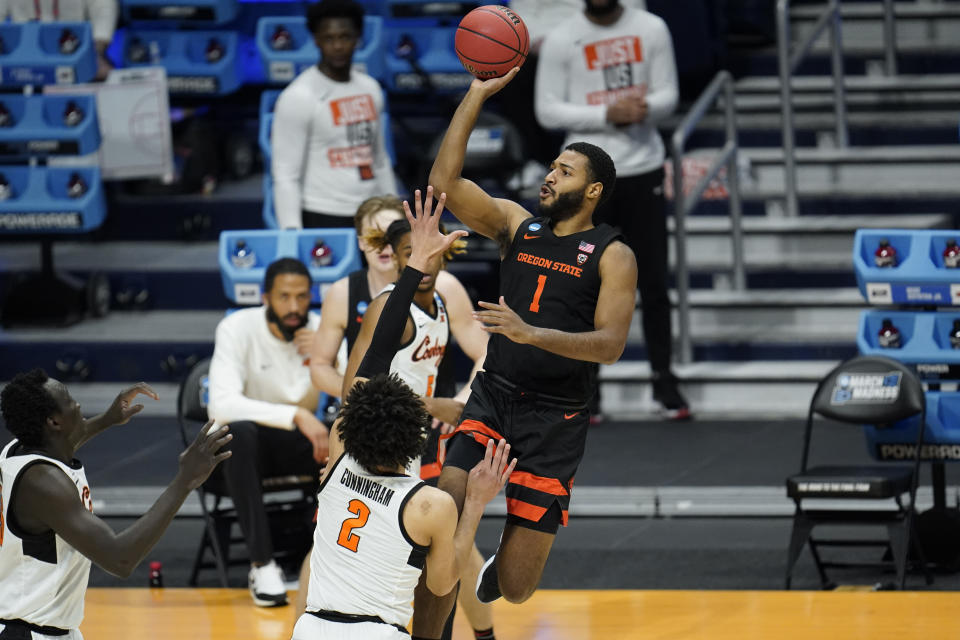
(127, 326)
(840, 297)
(95, 397)
(900, 154)
(115, 256)
(853, 84)
(781, 325)
(717, 389)
(803, 120)
(586, 501)
(813, 224)
(911, 100)
(934, 22)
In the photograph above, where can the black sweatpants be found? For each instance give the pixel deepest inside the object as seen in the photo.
(262, 452)
(638, 208)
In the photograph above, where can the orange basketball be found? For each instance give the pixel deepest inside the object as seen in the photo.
(491, 40)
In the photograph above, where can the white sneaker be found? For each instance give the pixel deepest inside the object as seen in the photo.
(266, 585)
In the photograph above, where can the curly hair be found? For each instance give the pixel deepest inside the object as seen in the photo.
(599, 164)
(320, 11)
(26, 404)
(398, 229)
(382, 423)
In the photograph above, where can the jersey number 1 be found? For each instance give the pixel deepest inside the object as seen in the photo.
(347, 538)
(535, 305)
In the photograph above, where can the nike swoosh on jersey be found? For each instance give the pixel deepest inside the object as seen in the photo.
(529, 237)
(567, 416)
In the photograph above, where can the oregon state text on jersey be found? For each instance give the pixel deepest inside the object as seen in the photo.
(363, 560)
(549, 281)
(43, 580)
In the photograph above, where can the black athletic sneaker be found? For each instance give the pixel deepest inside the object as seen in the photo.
(666, 393)
(488, 582)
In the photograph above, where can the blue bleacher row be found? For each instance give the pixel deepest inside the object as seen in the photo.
(217, 60)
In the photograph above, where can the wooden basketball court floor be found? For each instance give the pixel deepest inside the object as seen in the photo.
(219, 614)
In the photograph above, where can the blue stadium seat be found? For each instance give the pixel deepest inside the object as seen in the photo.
(39, 202)
(282, 66)
(54, 125)
(244, 285)
(419, 46)
(36, 53)
(186, 57)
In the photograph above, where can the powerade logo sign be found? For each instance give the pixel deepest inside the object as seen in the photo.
(193, 84)
(41, 221)
(866, 388)
(906, 451)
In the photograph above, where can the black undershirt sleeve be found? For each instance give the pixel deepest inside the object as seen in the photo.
(389, 330)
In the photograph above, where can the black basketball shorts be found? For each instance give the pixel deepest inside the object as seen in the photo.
(546, 434)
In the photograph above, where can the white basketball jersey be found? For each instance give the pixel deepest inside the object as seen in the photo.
(363, 561)
(416, 361)
(43, 580)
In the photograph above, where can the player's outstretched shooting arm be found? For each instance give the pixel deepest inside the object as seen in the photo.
(495, 218)
(611, 321)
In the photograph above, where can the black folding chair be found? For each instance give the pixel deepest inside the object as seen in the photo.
(861, 390)
(290, 518)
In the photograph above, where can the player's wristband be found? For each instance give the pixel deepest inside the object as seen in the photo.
(389, 330)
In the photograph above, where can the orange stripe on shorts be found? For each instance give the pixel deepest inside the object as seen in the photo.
(546, 485)
(430, 471)
(525, 510)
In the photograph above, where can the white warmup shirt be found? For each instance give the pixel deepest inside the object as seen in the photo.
(328, 147)
(43, 580)
(541, 16)
(584, 67)
(102, 14)
(363, 561)
(257, 376)
(416, 362)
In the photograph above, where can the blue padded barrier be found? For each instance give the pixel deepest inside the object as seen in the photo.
(924, 340)
(207, 12)
(282, 66)
(31, 54)
(39, 202)
(184, 55)
(41, 126)
(245, 285)
(919, 277)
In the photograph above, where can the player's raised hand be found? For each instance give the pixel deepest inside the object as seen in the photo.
(121, 410)
(499, 318)
(489, 475)
(199, 460)
(426, 240)
(487, 88)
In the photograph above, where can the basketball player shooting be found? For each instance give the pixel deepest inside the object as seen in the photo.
(376, 526)
(567, 299)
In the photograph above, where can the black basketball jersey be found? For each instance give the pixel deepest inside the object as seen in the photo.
(358, 299)
(550, 282)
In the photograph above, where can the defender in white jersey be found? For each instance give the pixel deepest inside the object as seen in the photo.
(48, 532)
(377, 527)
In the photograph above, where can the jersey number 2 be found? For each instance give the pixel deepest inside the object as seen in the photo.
(347, 538)
(535, 305)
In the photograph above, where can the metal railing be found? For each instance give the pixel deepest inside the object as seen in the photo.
(889, 38)
(684, 203)
(788, 63)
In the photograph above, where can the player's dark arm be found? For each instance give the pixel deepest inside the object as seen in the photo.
(494, 218)
(371, 321)
(615, 303)
(119, 412)
(47, 499)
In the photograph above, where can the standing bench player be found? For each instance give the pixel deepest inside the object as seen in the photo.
(567, 299)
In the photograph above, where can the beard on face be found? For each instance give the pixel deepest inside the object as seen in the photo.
(565, 205)
(602, 9)
(286, 330)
